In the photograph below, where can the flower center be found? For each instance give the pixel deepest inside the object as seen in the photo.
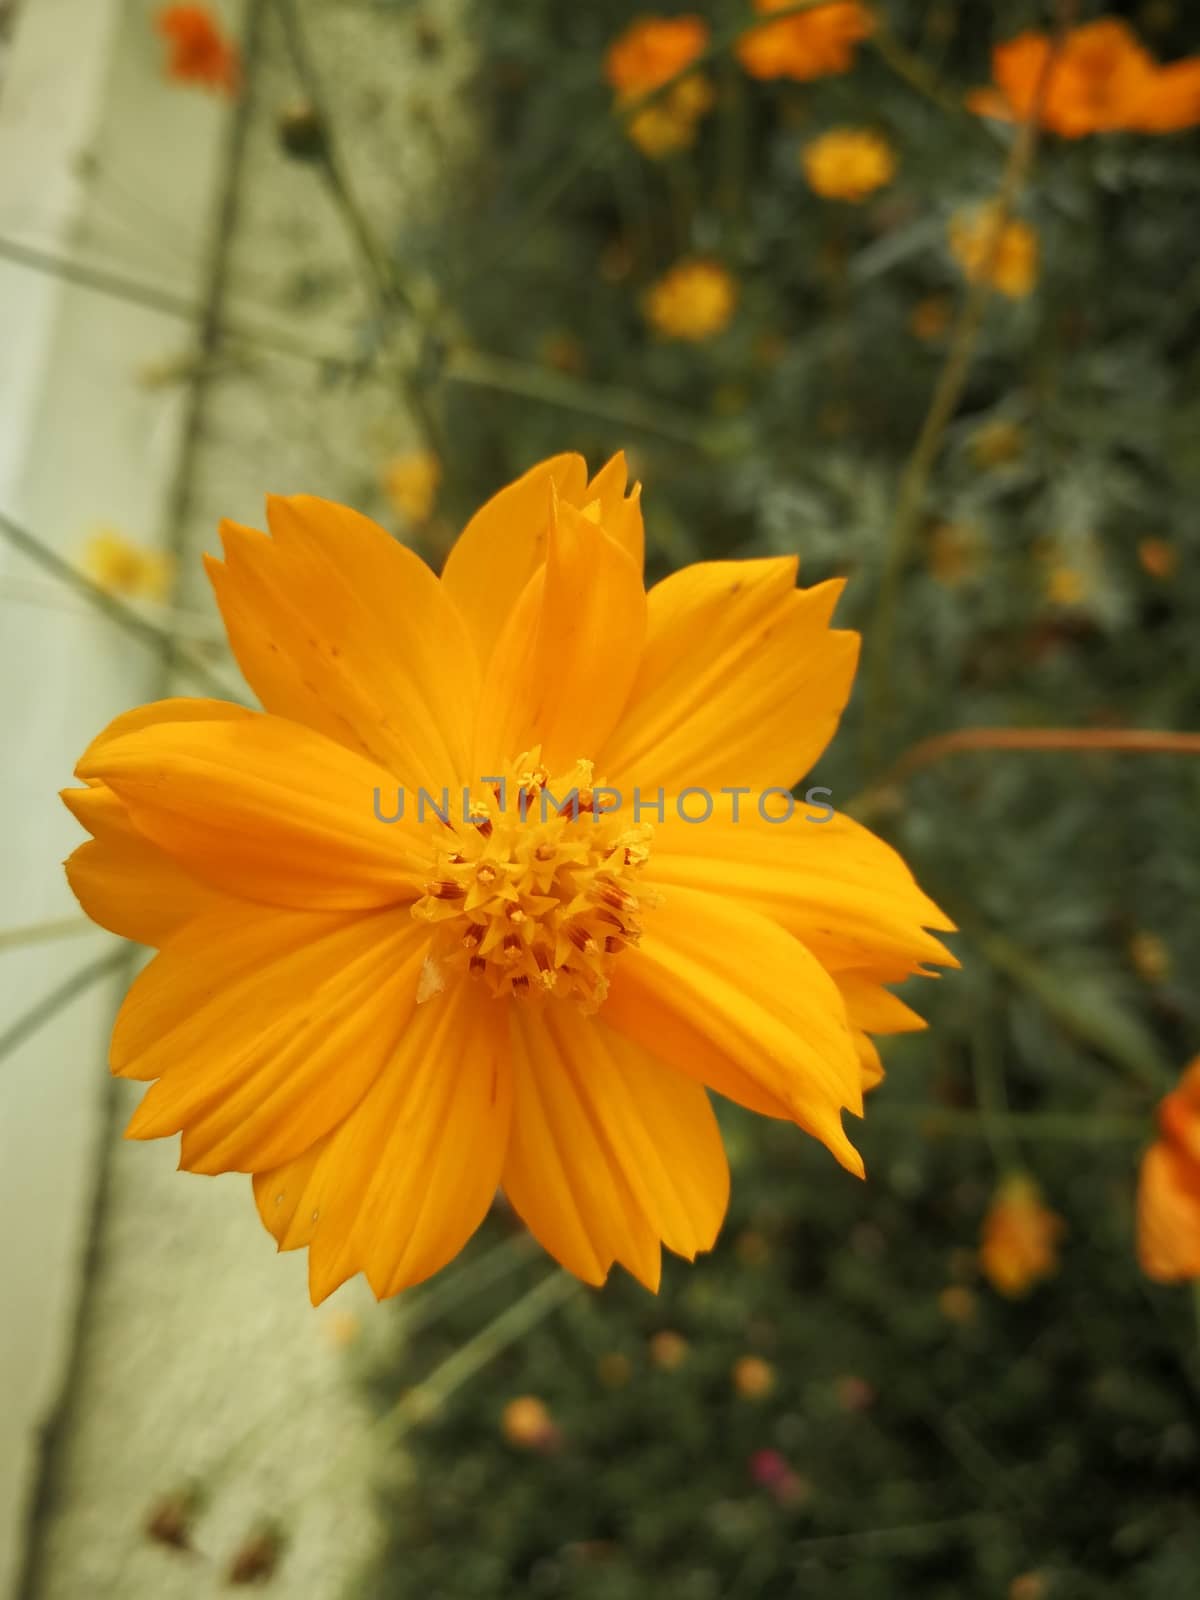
(535, 891)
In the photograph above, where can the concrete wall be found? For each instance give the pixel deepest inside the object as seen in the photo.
(195, 1343)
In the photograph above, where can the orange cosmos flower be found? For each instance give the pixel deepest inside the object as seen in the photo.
(1102, 81)
(384, 1015)
(848, 164)
(1168, 1206)
(198, 52)
(812, 44)
(647, 54)
(1020, 1237)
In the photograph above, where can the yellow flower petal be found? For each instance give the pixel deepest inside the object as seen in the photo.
(124, 882)
(265, 1028)
(403, 1183)
(620, 513)
(562, 669)
(337, 626)
(268, 810)
(726, 996)
(504, 544)
(845, 893)
(741, 680)
(611, 1151)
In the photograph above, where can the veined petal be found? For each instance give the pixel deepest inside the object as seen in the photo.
(177, 709)
(741, 680)
(265, 1028)
(337, 626)
(563, 666)
(267, 810)
(1168, 1215)
(504, 544)
(398, 1189)
(611, 1151)
(841, 890)
(124, 882)
(726, 996)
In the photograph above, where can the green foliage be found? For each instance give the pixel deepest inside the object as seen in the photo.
(1058, 1435)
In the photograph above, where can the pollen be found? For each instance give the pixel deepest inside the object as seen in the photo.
(536, 892)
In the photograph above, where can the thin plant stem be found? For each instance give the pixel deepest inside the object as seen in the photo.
(44, 932)
(590, 147)
(385, 283)
(947, 393)
(1087, 741)
(988, 1074)
(116, 286)
(1138, 1056)
(1033, 1126)
(914, 71)
(513, 1323)
(45, 1009)
(420, 1403)
(115, 609)
(624, 407)
(428, 1306)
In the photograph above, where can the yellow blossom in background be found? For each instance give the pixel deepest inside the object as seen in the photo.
(693, 301)
(753, 1378)
(651, 51)
(614, 1370)
(1019, 1246)
(564, 352)
(931, 316)
(958, 1304)
(812, 44)
(1066, 585)
(1150, 957)
(1168, 1203)
(411, 483)
(1013, 258)
(123, 568)
(668, 1350)
(997, 443)
(1158, 558)
(527, 1423)
(752, 1249)
(956, 552)
(342, 1328)
(848, 164)
(534, 992)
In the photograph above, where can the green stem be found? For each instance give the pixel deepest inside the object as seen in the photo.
(1127, 1047)
(988, 1074)
(1055, 1127)
(384, 282)
(118, 287)
(116, 610)
(589, 148)
(947, 393)
(49, 1007)
(42, 932)
(624, 407)
(516, 1320)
